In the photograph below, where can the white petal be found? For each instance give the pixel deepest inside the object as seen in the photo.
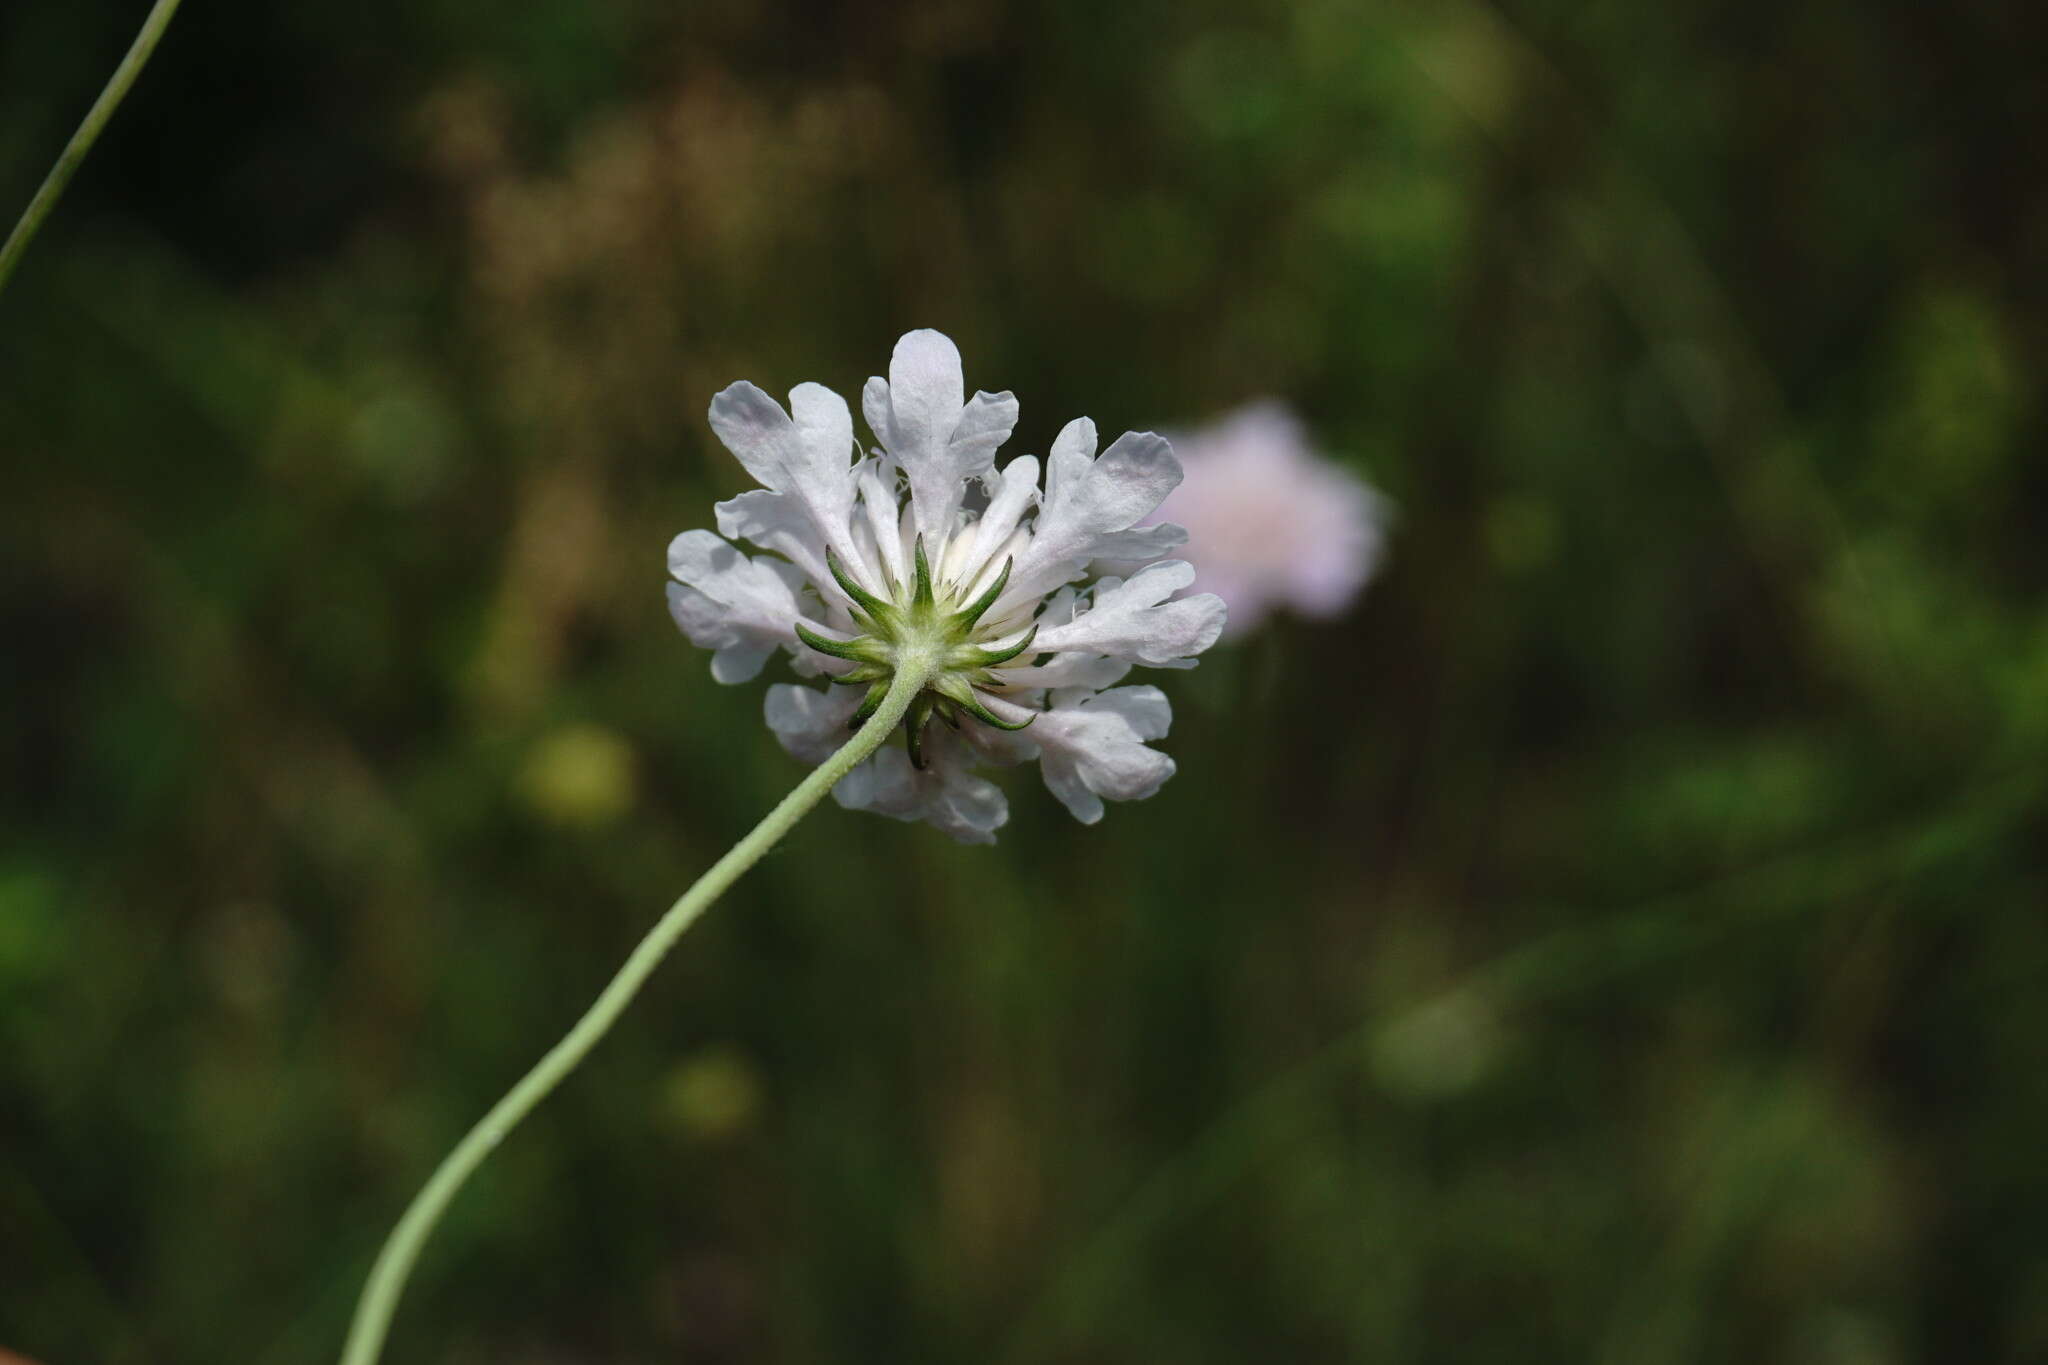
(946, 794)
(743, 608)
(952, 566)
(755, 429)
(826, 426)
(1145, 709)
(779, 523)
(1141, 544)
(1133, 620)
(874, 405)
(812, 726)
(810, 723)
(1128, 481)
(1015, 492)
(1092, 746)
(920, 416)
(1065, 670)
(985, 423)
(810, 458)
(926, 391)
(1087, 502)
(739, 663)
(1005, 747)
(1060, 608)
(879, 525)
(1007, 709)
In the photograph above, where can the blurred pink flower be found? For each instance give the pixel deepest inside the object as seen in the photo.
(1270, 522)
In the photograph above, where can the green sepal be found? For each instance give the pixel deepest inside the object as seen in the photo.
(988, 658)
(866, 673)
(879, 611)
(861, 651)
(869, 704)
(957, 691)
(922, 595)
(981, 713)
(978, 608)
(913, 728)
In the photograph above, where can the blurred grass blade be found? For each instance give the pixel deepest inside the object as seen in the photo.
(88, 133)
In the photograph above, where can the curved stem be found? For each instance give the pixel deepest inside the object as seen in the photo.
(88, 133)
(402, 1247)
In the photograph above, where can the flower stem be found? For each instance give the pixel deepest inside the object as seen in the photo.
(402, 1247)
(88, 132)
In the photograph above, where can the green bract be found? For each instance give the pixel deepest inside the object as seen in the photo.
(927, 632)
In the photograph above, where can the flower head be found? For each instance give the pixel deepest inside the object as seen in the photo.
(1274, 524)
(922, 557)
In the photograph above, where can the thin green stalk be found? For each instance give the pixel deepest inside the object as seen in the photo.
(88, 133)
(402, 1248)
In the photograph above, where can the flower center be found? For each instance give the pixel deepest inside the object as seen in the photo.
(926, 635)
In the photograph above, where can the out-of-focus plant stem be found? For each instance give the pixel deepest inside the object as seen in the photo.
(402, 1248)
(88, 133)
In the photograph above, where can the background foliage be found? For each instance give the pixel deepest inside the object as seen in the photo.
(1621, 939)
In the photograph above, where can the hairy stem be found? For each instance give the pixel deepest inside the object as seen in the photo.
(402, 1247)
(88, 133)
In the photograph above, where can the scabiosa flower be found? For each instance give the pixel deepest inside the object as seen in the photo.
(1274, 524)
(921, 556)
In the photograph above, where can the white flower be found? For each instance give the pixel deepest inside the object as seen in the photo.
(1273, 523)
(922, 554)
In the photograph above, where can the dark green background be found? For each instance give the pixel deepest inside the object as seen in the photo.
(1622, 939)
